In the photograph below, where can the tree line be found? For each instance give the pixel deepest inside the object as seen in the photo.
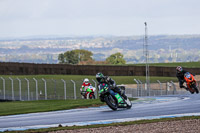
(84, 57)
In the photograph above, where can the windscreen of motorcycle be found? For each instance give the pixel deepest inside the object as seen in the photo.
(188, 75)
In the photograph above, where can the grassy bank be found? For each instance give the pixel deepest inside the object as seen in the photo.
(174, 64)
(22, 107)
(118, 79)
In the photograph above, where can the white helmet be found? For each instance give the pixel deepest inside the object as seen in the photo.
(86, 80)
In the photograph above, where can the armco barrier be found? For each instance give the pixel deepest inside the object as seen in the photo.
(11, 68)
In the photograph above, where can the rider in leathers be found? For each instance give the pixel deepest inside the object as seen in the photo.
(180, 75)
(106, 79)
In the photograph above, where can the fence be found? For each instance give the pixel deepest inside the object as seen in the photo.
(39, 89)
(156, 89)
(27, 89)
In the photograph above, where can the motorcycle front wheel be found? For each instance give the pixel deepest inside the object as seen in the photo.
(92, 96)
(111, 102)
(129, 104)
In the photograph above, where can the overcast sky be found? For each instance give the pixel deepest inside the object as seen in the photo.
(98, 17)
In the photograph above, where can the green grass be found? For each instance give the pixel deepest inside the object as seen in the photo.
(118, 79)
(175, 64)
(22, 107)
(106, 125)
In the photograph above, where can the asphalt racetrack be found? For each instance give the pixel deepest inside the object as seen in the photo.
(144, 108)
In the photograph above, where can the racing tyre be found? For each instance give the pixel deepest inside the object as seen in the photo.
(92, 96)
(196, 89)
(129, 104)
(111, 102)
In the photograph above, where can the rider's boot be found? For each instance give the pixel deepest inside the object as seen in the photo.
(122, 93)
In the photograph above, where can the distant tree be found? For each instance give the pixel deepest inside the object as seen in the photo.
(75, 56)
(61, 58)
(116, 58)
(83, 55)
(71, 57)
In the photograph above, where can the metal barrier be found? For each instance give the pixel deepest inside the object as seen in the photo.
(156, 89)
(27, 89)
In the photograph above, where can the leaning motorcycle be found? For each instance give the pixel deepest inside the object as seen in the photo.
(113, 100)
(89, 93)
(191, 83)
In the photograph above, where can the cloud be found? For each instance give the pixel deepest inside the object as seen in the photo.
(117, 17)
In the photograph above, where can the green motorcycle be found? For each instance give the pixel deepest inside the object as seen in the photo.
(113, 99)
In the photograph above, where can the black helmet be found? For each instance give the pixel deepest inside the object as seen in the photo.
(99, 76)
(179, 69)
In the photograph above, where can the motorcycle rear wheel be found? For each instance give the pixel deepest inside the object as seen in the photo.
(197, 91)
(111, 102)
(195, 88)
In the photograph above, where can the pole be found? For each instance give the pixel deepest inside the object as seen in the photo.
(4, 88)
(65, 96)
(137, 87)
(45, 88)
(20, 89)
(36, 88)
(140, 87)
(74, 88)
(147, 60)
(12, 88)
(28, 89)
(95, 84)
(160, 87)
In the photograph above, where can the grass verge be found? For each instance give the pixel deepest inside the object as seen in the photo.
(173, 64)
(22, 107)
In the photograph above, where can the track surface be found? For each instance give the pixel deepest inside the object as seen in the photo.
(143, 108)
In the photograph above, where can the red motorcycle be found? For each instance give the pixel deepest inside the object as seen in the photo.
(191, 83)
(88, 93)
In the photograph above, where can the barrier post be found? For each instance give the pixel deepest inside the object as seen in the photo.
(28, 87)
(74, 88)
(4, 88)
(12, 86)
(45, 88)
(65, 96)
(20, 89)
(137, 87)
(160, 87)
(55, 94)
(174, 87)
(36, 88)
(141, 87)
(95, 84)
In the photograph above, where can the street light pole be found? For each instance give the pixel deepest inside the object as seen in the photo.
(147, 59)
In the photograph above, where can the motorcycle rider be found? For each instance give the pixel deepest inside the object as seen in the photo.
(84, 87)
(180, 75)
(85, 84)
(106, 79)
